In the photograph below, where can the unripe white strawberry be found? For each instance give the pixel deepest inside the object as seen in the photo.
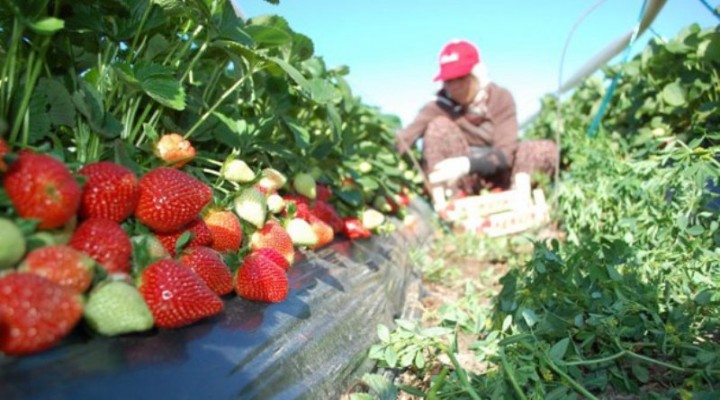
(12, 245)
(236, 170)
(251, 206)
(271, 180)
(301, 232)
(304, 184)
(275, 203)
(372, 218)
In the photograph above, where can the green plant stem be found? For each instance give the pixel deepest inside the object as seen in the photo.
(460, 372)
(577, 386)
(209, 112)
(9, 67)
(34, 68)
(510, 375)
(432, 393)
(132, 50)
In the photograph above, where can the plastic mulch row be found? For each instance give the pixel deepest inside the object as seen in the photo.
(313, 345)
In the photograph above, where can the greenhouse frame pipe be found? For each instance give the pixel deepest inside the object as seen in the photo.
(610, 51)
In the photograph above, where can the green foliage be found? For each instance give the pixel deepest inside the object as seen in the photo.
(628, 304)
(81, 76)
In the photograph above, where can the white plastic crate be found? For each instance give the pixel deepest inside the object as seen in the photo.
(496, 214)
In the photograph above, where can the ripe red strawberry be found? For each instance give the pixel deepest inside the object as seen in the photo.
(176, 296)
(170, 199)
(327, 213)
(274, 236)
(201, 236)
(174, 150)
(323, 231)
(209, 265)
(61, 264)
(42, 188)
(274, 256)
(105, 242)
(4, 149)
(111, 191)
(35, 313)
(225, 228)
(354, 229)
(260, 279)
(324, 193)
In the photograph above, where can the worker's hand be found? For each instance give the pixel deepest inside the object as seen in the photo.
(449, 169)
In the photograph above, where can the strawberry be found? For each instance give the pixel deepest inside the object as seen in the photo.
(116, 307)
(304, 184)
(176, 296)
(235, 170)
(227, 234)
(111, 191)
(274, 236)
(372, 218)
(300, 232)
(324, 193)
(41, 187)
(201, 235)
(327, 213)
(275, 203)
(174, 150)
(12, 245)
(354, 229)
(274, 256)
(170, 199)
(251, 206)
(105, 242)
(4, 149)
(260, 279)
(271, 180)
(209, 265)
(61, 264)
(35, 313)
(323, 232)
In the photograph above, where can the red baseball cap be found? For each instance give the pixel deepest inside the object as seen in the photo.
(457, 59)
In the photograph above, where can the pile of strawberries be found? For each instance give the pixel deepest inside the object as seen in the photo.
(126, 254)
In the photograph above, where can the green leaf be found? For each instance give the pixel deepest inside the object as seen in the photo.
(704, 298)
(47, 26)
(382, 386)
(696, 230)
(165, 91)
(323, 92)
(50, 106)
(613, 273)
(557, 351)
(506, 323)
(268, 36)
(301, 135)
(641, 373)
(391, 357)
(355, 396)
(674, 94)
(383, 333)
(530, 317)
(293, 73)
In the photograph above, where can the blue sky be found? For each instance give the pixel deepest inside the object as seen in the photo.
(391, 46)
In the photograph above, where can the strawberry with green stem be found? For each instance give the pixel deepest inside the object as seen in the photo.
(273, 235)
(200, 235)
(43, 188)
(225, 229)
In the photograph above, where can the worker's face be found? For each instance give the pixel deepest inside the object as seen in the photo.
(462, 89)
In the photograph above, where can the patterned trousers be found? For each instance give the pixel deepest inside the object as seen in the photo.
(444, 139)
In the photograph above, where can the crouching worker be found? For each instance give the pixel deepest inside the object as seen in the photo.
(470, 130)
